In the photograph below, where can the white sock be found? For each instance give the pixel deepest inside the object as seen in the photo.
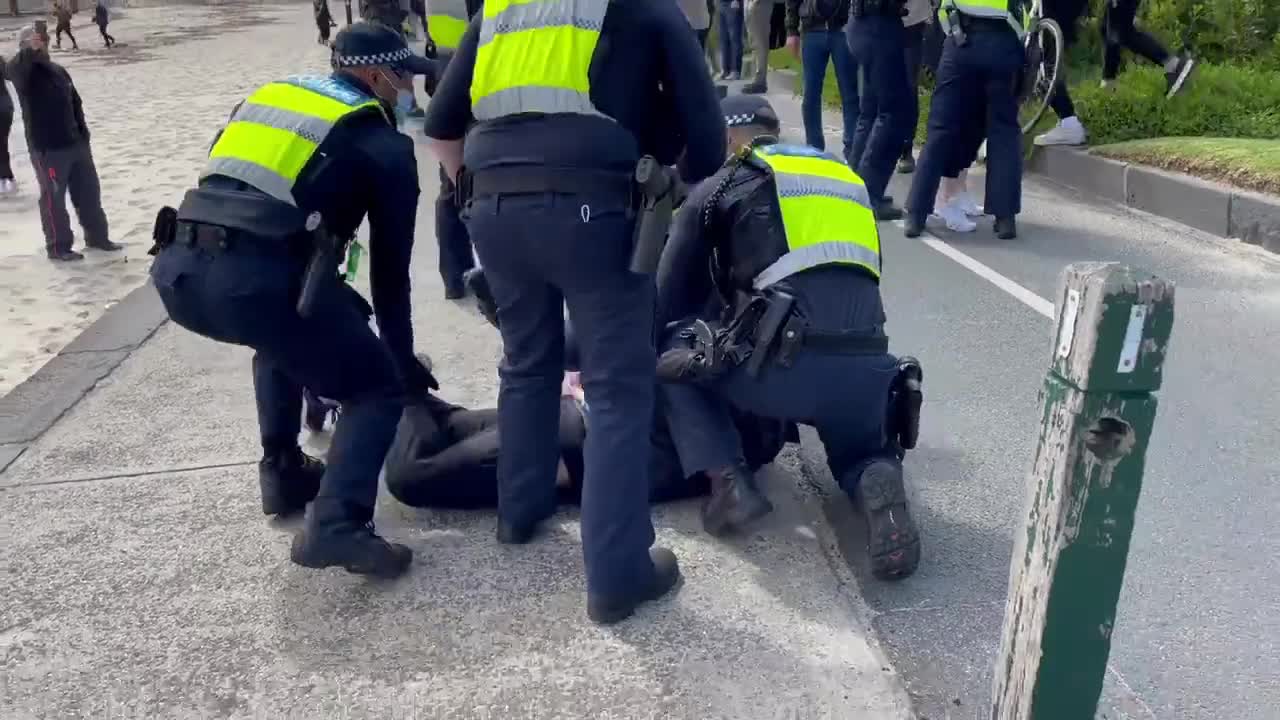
(1171, 64)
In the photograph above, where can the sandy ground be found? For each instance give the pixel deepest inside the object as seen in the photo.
(153, 104)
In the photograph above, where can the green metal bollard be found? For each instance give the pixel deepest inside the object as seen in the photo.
(1068, 563)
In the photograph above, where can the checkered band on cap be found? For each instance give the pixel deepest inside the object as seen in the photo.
(740, 119)
(383, 58)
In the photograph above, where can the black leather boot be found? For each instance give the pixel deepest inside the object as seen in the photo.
(893, 540)
(288, 480)
(735, 501)
(339, 534)
(666, 576)
(1006, 228)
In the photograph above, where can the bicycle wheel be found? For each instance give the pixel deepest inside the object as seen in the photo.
(1040, 73)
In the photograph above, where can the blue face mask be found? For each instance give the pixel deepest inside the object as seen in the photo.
(404, 101)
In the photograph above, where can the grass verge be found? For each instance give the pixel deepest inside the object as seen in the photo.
(1248, 163)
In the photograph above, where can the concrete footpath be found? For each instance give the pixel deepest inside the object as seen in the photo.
(142, 580)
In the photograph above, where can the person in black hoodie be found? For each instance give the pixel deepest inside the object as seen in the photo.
(58, 140)
(7, 184)
(101, 17)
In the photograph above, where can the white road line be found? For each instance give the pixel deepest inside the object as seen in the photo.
(1019, 293)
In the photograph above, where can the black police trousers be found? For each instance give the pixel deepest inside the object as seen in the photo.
(247, 296)
(879, 46)
(542, 252)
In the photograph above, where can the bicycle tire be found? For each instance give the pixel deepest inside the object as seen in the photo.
(1044, 74)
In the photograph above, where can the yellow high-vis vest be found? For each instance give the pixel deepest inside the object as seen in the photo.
(446, 22)
(534, 56)
(989, 9)
(826, 213)
(273, 134)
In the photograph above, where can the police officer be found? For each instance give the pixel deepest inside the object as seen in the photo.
(568, 97)
(878, 42)
(446, 22)
(982, 58)
(253, 262)
(791, 241)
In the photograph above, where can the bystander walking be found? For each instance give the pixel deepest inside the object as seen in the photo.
(7, 184)
(100, 18)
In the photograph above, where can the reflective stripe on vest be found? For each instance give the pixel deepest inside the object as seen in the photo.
(826, 213)
(534, 56)
(446, 22)
(274, 133)
(990, 9)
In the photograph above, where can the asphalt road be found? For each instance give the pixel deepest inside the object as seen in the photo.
(1200, 613)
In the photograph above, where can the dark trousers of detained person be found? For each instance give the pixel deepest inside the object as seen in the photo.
(69, 171)
(543, 252)
(246, 294)
(980, 72)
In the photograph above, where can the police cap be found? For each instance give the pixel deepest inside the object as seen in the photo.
(365, 44)
(742, 110)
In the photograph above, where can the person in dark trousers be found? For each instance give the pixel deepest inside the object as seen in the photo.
(795, 253)
(100, 18)
(1118, 32)
(236, 262)
(730, 37)
(878, 41)
(815, 35)
(324, 20)
(8, 185)
(917, 20)
(446, 23)
(62, 18)
(58, 140)
(550, 201)
(981, 58)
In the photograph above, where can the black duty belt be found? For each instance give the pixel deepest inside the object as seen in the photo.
(982, 24)
(531, 179)
(216, 239)
(844, 342)
(872, 8)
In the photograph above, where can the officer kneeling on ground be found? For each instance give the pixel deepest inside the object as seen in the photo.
(790, 237)
(251, 258)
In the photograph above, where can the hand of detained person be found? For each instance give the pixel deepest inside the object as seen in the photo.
(418, 379)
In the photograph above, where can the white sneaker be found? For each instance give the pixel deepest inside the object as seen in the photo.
(1068, 131)
(8, 187)
(968, 205)
(955, 219)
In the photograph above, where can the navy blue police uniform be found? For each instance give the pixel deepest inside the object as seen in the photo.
(982, 59)
(801, 335)
(550, 205)
(300, 165)
(878, 42)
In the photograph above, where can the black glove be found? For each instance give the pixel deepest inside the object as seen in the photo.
(430, 50)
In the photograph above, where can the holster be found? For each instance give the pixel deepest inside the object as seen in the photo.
(906, 396)
(768, 328)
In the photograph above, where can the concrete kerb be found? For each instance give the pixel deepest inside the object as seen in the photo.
(32, 407)
(1212, 207)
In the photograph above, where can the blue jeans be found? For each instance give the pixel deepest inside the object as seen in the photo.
(543, 252)
(731, 29)
(816, 47)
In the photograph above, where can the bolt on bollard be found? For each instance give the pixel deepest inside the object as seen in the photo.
(1098, 407)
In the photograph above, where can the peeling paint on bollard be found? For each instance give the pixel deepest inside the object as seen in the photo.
(1068, 565)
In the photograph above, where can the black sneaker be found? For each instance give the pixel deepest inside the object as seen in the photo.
(755, 88)
(893, 541)
(1006, 228)
(912, 227)
(735, 501)
(64, 255)
(105, 246)
(455, 290)
(1177, 78)
(906, 164)
(333, 537)
(512, 534)
(666, 576)
(886, 211)
(288, 482)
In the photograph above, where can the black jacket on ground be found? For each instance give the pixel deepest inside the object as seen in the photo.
(806, 15)
(51, 108)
